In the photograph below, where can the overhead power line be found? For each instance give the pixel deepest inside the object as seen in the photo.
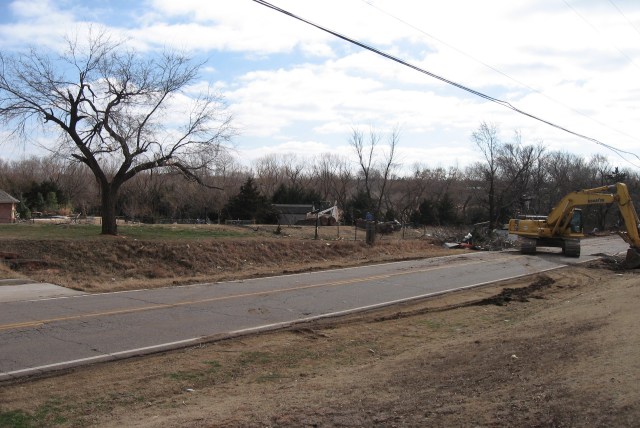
(503, 103)
(625, 17)
(568, 107)
(595, 29)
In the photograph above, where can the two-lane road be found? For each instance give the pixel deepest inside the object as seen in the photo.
(46, 334)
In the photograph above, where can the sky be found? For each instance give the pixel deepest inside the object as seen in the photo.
(294, 89)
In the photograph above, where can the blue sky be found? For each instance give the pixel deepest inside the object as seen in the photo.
(294, 89)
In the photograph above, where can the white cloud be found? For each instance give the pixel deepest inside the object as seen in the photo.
(33, 25)
(289, 82)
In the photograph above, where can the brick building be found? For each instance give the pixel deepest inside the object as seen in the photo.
(7, 207)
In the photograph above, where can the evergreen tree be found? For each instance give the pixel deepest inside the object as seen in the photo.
(295, 194)
(248, 204)
(390, 215)
(45, 195)
(446, 210)
(359, 205)
(51, 202)
(427, 213)
(23, 210)
(39, 204)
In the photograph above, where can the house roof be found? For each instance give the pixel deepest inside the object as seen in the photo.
(6, 198)
(293, 208)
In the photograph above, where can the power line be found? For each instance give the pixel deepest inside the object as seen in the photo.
(447, 81)
(499, 71)
(625, 17)
(593, 27)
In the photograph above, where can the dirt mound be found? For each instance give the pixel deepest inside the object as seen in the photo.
(521, 294)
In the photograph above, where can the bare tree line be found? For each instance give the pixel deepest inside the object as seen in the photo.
(512, 178)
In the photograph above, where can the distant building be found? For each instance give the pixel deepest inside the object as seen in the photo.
(7, 207)
(289, 214)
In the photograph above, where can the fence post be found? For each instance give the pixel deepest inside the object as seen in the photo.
(371, 232)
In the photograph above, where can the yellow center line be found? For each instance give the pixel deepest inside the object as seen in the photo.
(38, 323)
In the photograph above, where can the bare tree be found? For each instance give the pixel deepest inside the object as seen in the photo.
(601, 174)
(387, 167)
(324, 171)
(567, 172)
(487, 140)
(365, 156)
(79, 186)
(375, 172)
(539, 190)
(518, 164)
(269, 173)
(294, 169)
(411, 190)
(116, 111)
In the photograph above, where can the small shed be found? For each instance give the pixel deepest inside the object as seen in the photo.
(7, 207)
(289, 214)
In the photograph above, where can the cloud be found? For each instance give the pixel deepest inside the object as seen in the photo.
(32, 25)
(289, 82)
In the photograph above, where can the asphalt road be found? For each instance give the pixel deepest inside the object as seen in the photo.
(54, 333)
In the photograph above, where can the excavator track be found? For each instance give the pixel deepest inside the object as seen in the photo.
(571, 247)
(528, 245)
(633, 259)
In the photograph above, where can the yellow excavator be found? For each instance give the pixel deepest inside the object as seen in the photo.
(563, 227)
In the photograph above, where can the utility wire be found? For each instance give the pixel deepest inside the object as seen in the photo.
(625, 17)
(593, 27)
(447, 81)
(568, 107)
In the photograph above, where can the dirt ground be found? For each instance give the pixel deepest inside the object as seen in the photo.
(559, 349)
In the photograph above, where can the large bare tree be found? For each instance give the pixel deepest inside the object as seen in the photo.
(117, 111)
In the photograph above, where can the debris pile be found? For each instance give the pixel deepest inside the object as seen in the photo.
(482, 238)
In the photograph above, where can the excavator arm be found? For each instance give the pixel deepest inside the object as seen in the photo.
(560, 214)
(632, 223)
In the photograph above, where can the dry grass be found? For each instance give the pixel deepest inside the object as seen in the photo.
(105, 263)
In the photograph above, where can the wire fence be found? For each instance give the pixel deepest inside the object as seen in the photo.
(344, 232)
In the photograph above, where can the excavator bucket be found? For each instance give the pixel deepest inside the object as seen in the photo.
(633, 259)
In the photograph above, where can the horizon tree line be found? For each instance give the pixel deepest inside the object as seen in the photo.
(513, 178)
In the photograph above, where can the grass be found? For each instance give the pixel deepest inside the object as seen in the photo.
(186, 376)
(16, 419)
(49, 414)
(214, 365)
(270, 377)
(169, 232)
(431, 324)
(255, 358)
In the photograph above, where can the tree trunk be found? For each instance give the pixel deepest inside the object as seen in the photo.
(492, 204)
(108, 205)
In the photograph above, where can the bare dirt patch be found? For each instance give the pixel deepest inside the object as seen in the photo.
(559, 349)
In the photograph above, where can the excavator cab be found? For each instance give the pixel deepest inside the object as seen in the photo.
(576, 225)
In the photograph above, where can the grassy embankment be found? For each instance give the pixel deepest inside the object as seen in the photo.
(146, 256)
